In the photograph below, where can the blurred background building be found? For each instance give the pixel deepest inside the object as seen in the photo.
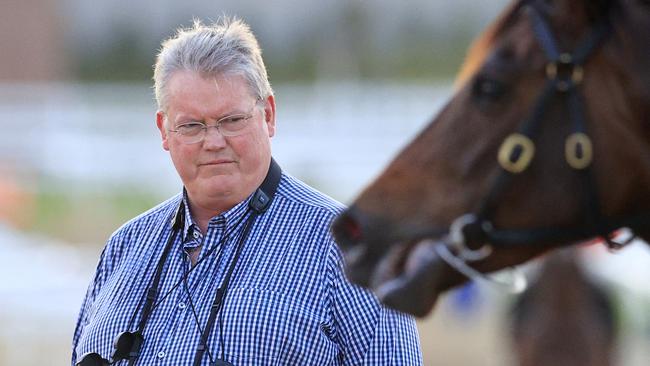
(80, 154)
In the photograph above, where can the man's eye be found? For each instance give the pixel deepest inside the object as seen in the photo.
(190, 128)
(233, 120)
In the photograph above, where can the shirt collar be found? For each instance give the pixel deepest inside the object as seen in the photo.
(225, 219)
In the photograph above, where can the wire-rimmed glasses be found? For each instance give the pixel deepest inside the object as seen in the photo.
(194, 132)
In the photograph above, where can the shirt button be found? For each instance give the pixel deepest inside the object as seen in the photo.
(161, 354)
(196, 235)
(181, 305)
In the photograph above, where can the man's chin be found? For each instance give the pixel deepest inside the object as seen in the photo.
(213, 186)
(222, 185)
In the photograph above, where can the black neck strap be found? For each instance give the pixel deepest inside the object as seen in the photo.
(177, 225)
(136, 338)
(259, 203)
(263, 196)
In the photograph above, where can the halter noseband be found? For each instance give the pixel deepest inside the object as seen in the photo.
(472, 236)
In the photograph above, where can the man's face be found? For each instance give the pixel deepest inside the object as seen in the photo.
(220, 171)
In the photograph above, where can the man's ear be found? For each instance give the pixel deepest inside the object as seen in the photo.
(160, 123)
(269, 114)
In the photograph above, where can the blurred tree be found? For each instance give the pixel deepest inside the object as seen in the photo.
(126, 58)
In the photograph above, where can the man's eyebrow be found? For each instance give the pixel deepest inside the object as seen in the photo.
(182, 117)
(236, 112)
(190, 117)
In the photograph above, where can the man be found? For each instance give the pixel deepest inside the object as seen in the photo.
(239, 268)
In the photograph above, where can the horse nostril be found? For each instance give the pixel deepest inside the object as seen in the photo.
(347, 230)
(353, 229)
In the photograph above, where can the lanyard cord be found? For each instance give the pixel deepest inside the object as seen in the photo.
(186, 286)
(223, 240)
(152, 291)
(259, 203)
(196, 318)
(219, 298)
(128, 344)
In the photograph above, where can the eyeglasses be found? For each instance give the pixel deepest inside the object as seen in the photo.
(195, 132)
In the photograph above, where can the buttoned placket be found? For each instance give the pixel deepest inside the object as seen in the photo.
(182, 317)
(194, 235)
(204, 279)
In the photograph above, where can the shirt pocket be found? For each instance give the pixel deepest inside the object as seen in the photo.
(262, 327)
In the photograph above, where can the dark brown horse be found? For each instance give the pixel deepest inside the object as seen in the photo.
(546, 142)
(565, 318)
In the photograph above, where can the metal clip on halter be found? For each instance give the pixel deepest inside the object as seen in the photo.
(572, 73)
(459, 241)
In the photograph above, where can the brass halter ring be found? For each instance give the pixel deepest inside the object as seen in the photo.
(577, 72)
(512, 160)
(578, 151)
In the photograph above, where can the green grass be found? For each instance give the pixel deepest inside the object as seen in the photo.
(87, 217)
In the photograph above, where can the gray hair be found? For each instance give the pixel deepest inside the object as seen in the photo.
(227, 47)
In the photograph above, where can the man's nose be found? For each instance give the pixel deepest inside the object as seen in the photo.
(213, 138)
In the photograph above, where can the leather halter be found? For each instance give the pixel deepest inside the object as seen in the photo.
(473, 235)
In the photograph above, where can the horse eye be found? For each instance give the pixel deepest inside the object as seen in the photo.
(486, 89)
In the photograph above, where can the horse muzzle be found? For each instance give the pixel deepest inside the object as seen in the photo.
(406, 275)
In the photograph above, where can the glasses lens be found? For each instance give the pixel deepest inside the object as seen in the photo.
(186, 139)
(233, 125)
(190, 133)
(92, 359)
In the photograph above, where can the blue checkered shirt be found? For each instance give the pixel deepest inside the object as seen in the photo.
(288, 302)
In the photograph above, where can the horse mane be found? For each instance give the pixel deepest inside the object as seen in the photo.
(479, 49)
(481, 46)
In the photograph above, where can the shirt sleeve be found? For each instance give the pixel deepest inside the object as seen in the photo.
(104, 268)
(367, 332)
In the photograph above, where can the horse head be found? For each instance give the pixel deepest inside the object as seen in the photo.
(545, 142)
